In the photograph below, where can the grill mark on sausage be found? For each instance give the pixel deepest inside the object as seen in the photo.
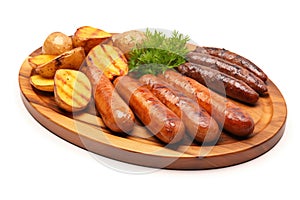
(232, 117)
(159, 119)
(196, 119)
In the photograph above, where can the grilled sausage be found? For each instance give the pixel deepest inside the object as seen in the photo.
(160, 120)
(235, 59)
(197, 121)
(220, 82)
(230, 69)
(115, 113)
(233, 118)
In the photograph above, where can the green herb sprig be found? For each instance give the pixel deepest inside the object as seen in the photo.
(157, 53)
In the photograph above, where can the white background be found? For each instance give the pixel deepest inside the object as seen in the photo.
(35, 164)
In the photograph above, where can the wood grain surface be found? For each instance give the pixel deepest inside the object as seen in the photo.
(86, 130)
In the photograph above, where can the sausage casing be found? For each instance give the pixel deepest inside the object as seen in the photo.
(229, 115)
(233, 70)
(115, 113)
(158, 119)
(197, 121)
(220, 82)
(234, 58)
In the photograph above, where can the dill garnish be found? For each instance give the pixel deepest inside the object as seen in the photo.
(157, 53)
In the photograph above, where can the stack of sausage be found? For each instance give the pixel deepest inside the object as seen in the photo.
(173, 104)
(226, 72)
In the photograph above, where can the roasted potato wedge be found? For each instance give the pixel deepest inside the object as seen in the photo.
(72, 90)
(57, 43)
(108, 59)
(69, 60)
(41, 83)
(88, 37)
(38, 60)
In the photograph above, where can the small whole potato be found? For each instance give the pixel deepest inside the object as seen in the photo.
(57, 43)
(128, 40)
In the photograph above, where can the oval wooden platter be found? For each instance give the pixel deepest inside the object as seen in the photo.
(86, 130)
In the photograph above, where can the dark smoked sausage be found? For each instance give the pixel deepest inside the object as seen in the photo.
(235, 59)
(230, 69)
(220, 82)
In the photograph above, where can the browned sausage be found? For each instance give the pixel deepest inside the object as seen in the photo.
(230, 69)
(233, 118)
(234, 58)
(197, 121)
(160, 120)
(220, 82)
(115, 113)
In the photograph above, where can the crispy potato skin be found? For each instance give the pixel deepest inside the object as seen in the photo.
(41, 59)
(69, 60)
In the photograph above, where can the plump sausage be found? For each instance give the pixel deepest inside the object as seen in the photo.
(115, 113)
(160, 120)
(233, 118)
(197, 121)
(230, 69)
(235, 59)
(220, 82)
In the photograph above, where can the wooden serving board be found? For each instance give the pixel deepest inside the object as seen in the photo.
(86, 130)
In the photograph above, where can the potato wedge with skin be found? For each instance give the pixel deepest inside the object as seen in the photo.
(68, 60)
(72, 90)
(38, 60)
(41, 83)
(108, 59)
(88, 37)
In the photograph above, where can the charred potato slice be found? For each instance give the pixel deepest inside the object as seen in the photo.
(108, 59)
(88, 37)
(72, 90)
